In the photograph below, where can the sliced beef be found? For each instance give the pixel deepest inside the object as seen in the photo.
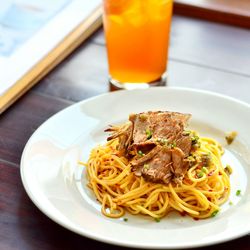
(162, 164)
(160, 139)
(158, 169)
(152, 127)
(179, 168)
(137, 161)
(184, 143)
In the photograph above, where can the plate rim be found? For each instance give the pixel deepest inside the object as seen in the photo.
(98, 237)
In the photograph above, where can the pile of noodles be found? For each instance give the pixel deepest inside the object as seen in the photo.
(204, 188)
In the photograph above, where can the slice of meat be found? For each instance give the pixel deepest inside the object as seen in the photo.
(177, 159)
(179, 167)
(139, 161)
(160, 137)
(184, 143)
(164, 165)
(150, 127)
(158, 169)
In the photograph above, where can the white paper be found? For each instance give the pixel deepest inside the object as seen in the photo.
(30, 29)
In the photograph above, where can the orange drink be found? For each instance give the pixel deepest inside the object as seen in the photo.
(137, 37)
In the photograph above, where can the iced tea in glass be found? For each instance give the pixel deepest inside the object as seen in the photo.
(137, 37)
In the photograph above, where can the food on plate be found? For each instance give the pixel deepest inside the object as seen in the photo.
(153, 165)
(230, 137)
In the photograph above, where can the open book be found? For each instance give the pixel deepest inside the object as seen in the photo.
(36, 35)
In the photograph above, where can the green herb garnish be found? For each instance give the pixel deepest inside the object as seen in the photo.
(157, 219)
(186, 132)
(203, 169)
(143, 117)
(191, 160)
(206, 158)
(149, 134)
(146, 166)
(230, 203)
(238, 192)
(214, 213)
(173, 144)
(162, 141)
(194, 139)
(125, 219)
(200, 174)
(140, 153)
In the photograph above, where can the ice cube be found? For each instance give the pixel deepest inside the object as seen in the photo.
(158, 9)
(136, 14)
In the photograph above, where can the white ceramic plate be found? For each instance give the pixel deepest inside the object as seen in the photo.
(57, 185)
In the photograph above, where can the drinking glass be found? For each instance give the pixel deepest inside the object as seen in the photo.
(137, 37)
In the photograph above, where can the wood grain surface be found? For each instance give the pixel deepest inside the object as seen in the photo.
(202, 55)
(23, 118)
(233, 12)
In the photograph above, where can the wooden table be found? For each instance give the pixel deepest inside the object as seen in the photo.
(202, 55)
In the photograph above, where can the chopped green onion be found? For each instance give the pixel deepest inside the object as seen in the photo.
(238, 192)
(157, 219)
(214, 213)
(173, 144)
(149, 134)
(125, 219)
(200, 174)
(143, 117)
(194, 139)
(206, 158)
(146, 166)
(140, 153)
(186, 132)
(230, 203)
(203, 170)
(158, 139)
(191, 158)
(164, 141)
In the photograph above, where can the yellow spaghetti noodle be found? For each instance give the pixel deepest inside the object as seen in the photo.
(202, 191)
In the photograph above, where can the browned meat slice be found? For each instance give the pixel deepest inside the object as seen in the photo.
(158, 169)
(152, 127)
(161, 164)
(179, 168)
(138, 161)
(184, 143)
(157, 144)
